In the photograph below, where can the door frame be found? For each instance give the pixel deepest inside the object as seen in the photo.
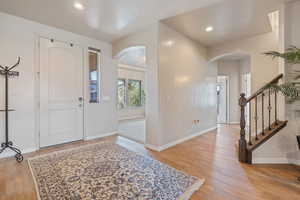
(227, 78)
(249, 77)
(37, 85)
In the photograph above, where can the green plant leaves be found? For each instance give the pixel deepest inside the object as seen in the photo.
(288, 89)
(292, 55)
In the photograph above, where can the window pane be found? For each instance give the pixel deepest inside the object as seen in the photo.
(134, 93)
(94, 76)
(121, 94)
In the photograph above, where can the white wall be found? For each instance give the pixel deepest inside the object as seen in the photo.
(133, 129)
(245, 65)
(149, 38)
(18, 37)
(292, 37)
(181, 85)
(131, 112)
(187, 87)
(102, 119)
(231, 68)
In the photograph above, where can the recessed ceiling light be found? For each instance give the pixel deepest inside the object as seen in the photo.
(78, 6)
(169, 43)
(209, 29)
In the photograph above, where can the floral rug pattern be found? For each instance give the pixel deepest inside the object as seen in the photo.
(107, 171)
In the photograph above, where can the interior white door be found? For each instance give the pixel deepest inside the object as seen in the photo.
(61, 92)
(222, 94)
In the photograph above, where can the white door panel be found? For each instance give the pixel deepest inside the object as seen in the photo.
(61, 86)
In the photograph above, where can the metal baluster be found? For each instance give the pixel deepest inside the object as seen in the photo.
(250, 141)
(269, 108)
(256, 118)
(262, 114)
(276, 120)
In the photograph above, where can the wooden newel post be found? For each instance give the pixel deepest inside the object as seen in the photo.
(242, 141)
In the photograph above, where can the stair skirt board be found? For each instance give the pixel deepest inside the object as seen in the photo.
(275, 160)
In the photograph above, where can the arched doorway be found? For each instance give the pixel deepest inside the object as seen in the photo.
(233, 78)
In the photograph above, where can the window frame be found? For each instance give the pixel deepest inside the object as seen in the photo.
(125, 93)
(99, 60)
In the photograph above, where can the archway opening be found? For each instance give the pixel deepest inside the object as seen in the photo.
(233, 78)
(131, 92)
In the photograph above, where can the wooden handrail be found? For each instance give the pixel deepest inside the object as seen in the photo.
(258, 92)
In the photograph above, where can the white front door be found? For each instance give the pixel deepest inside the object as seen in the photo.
(61, 92)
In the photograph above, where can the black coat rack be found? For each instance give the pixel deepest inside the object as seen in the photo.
(8, 72)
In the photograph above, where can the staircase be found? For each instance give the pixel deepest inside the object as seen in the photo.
(262, 122)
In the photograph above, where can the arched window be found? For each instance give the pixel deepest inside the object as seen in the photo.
(133, 56)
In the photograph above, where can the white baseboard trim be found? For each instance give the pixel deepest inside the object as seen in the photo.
(234, 122)
(294, 161)
(152, 147)
(275, 160)
(171, 144)
(132, 118)
(100, 136)
(8, 153)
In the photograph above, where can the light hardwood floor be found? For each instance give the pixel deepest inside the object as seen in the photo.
(211, 156)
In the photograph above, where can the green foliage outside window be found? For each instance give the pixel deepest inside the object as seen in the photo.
(130, 93)
(134, 93)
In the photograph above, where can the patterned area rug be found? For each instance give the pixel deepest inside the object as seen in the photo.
(107, 171)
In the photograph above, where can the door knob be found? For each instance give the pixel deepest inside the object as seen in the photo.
(80, 99)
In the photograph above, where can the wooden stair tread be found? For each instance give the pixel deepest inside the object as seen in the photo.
(275, 128)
